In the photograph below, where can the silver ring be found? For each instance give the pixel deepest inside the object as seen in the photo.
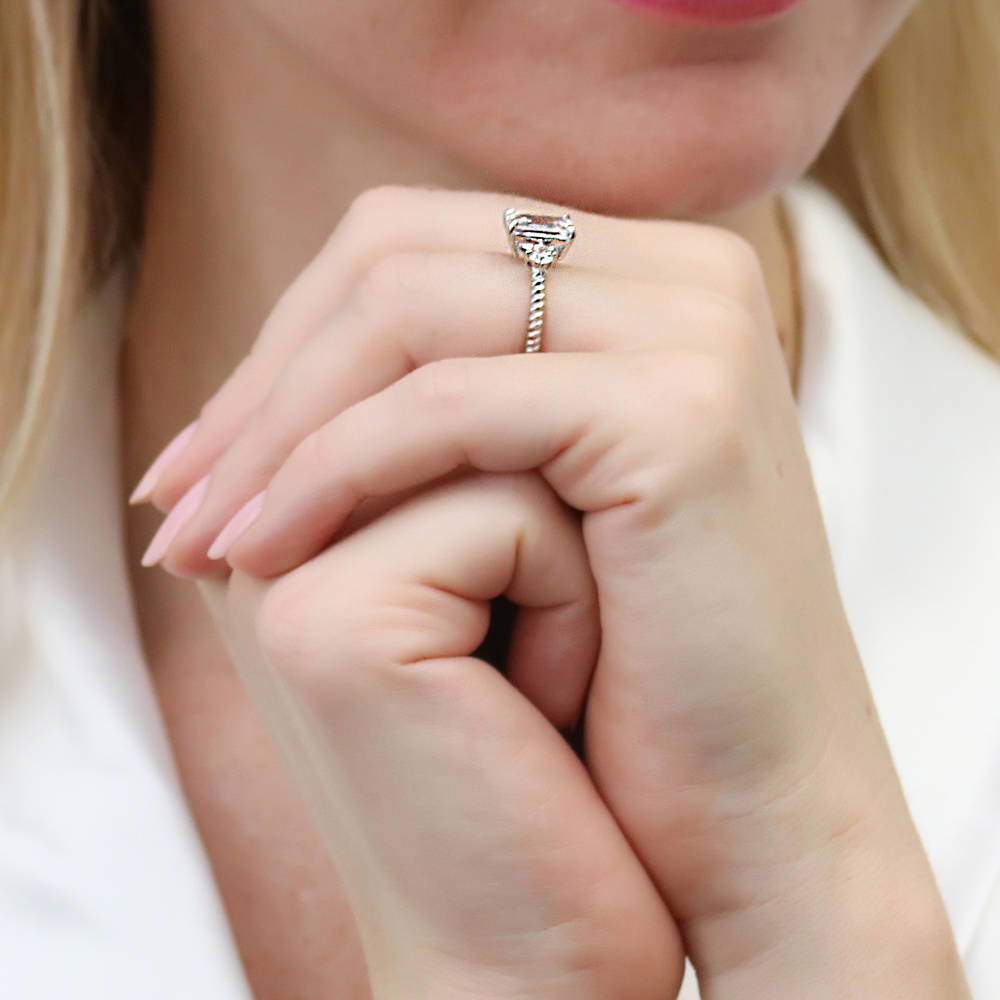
(539, 240)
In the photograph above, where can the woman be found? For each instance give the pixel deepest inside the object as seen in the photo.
(742, 489)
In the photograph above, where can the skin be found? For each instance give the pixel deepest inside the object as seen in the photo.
(738, 753)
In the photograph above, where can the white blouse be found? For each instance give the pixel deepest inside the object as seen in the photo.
(105, 888)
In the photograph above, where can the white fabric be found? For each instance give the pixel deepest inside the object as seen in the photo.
(105, 890)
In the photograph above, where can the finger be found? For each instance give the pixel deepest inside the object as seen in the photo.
(603, 429)
(387, 220)
(453, 809)
(417, 308)
(477, 536)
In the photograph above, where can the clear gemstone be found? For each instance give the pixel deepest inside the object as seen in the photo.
(539, 239)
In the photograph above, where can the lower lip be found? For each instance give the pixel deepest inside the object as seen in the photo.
(715, 11)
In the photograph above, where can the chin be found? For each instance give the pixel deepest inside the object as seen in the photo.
(694, 180)
(656, 156)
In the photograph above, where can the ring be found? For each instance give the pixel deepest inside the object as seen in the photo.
(539, 240)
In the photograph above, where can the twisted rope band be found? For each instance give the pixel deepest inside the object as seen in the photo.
(536, 311)
(539, 240)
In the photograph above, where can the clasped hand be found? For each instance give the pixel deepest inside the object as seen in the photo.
(640, 490)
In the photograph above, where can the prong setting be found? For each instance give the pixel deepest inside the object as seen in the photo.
(539, 240)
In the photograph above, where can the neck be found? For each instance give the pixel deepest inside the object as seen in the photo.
(256, 155)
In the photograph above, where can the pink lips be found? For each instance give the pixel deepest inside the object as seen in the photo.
(715, 11)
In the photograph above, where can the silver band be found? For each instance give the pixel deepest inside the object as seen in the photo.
(539, 240)
(536, 310)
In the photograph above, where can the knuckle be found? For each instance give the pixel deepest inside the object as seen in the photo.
(312, 454)
(441, 385)
(247, 382)
(285, 627)
(735, 251)
(336, 643)
(737, 261)
(312, 637)
(376, 206)
(251, 441)
(713, 389)
(714, 401)
(700, 400)
(393, 283)
(512, 497)
(730, 320)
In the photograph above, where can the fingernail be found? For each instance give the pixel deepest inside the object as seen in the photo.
(149, 479)
(174, 521)
(239, 523)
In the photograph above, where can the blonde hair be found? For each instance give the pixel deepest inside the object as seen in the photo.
(915, 158)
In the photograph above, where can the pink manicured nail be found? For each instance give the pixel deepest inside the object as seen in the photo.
(149, 479)
(174, 521)
(239, 522)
